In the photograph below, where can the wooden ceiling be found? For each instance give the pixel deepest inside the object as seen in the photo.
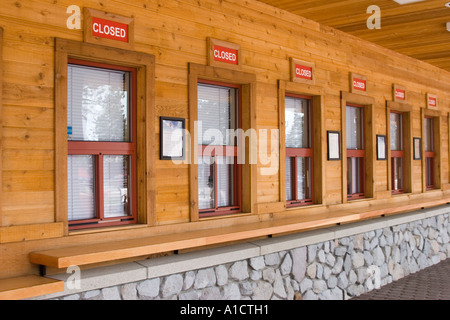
(417, 29)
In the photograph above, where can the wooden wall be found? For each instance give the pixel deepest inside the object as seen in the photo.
(175, 32)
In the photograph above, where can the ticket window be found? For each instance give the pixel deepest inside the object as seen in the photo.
(101, 161)
(397, 152)
(430, 182)
(299, 150)
(219, 173)
(355, 152)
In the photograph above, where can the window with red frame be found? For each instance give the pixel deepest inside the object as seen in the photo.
(397, 152)
(429, 153)
(355, 152)
(299, 152)
(219, 173)
(101, 127)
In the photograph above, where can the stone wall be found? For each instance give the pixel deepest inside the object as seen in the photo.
(337, 267)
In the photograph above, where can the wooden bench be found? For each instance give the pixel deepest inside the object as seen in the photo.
(116, 250)
(28, 286)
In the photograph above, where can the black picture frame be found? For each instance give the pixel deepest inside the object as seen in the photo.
(381, 147)
(334, 145)
(417, 148)
(169, 127)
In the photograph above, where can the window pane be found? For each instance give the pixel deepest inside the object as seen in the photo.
(297, 122)
(81, 187)
(206, 183)
(217, 110)
(354, 175)
(396, 131)
(429, 172)
(225, 181)
(303, 178)
(98, 104)
(397, 173)
(289, 188)
(354, 119)
(116, 186)
(429, 134)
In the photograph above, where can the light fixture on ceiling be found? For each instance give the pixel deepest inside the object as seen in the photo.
(448, 26)
(447, 4)
(407, 1)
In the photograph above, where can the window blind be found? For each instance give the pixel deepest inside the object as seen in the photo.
(429, 134)
(116, 186)
(397, 173)
(289, 188)
(205, 184)
(396, 131)
(224, 181)
(81, 187)
(303, 174)
(216, 114)
(354, 166)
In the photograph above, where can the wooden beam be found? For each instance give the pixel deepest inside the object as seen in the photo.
(31, 232)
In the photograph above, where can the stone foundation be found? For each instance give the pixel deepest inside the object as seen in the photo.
(333, 263)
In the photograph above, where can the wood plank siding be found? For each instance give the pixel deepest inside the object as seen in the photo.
(170, 52)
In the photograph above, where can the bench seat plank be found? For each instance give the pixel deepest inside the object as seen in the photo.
(28, 286)
(116, 250)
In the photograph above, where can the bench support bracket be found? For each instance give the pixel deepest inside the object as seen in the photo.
(42, 270)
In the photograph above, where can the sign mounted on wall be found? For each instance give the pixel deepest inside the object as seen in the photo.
(358, 83)
(222, 53)
(398, 93)
(108, 29)
(432, 101)
(302, 71)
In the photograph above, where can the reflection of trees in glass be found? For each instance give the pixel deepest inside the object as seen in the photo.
(395, 131)
(105, 113)
(354, 119)
(98, 104)
(296, 123)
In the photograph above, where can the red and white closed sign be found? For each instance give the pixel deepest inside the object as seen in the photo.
(227, 55)
(303, 72)
(400, 94)
(359, 84)
(432, 102)
(109, 29)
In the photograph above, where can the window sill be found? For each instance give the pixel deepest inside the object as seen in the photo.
(106, 229)
(225, 216)
(401, 194)
(304, 207)
(359, 200)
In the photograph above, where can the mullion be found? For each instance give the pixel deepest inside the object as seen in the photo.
(100, 187)
(216, 202)
(294, 178)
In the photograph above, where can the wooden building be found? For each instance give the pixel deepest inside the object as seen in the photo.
(332, 129)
